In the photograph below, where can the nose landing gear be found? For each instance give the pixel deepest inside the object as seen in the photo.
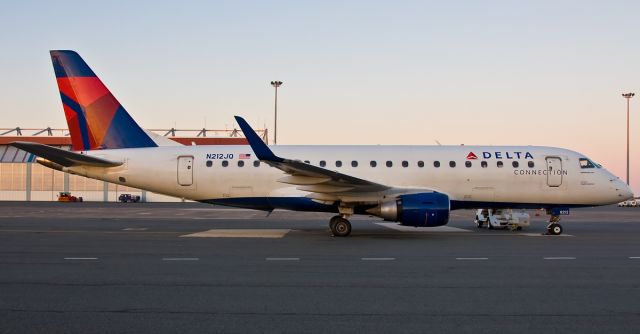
(554, 228)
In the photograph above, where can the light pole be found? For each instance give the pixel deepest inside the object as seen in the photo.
(275, 84)
(628, 96)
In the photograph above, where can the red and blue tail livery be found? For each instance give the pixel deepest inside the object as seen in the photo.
(95, 118)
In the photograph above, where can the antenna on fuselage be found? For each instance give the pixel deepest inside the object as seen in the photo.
(438, 142)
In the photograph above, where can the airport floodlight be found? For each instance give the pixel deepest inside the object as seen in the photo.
(275, 84)
(628, 96)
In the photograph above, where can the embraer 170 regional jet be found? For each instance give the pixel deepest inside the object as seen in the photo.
(413, 185)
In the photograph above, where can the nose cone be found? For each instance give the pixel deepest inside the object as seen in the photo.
(623, 190)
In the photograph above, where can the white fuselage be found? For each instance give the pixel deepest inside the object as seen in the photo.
(543, 177)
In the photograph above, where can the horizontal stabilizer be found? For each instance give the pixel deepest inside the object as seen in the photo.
(63, 157)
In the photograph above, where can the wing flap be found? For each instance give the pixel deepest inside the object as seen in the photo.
(325, 188)
(303, 180)
(63, 157)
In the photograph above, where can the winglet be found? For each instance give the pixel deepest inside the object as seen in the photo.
(261, 149)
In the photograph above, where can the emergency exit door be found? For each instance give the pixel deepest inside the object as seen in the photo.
(554, 171)
(185, 170)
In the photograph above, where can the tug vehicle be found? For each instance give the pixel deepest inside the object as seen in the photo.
(631, 203)
(502, 219)
(66, 196)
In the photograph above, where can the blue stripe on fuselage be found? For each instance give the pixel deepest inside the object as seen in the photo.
(306, 204)
(270, 203)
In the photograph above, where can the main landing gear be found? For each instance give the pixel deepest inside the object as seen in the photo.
(554, 228)
(340, 226)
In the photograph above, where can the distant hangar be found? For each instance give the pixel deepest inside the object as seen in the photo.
(22, 179)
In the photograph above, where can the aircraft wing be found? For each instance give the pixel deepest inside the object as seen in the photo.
(63, 157)
(308, 177)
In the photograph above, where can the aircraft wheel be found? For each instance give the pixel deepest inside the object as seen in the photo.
(489, 226)
(478, 222)
(555, 229)
(332, 222)
(340, 227)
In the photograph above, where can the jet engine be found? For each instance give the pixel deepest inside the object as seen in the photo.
(423, 209)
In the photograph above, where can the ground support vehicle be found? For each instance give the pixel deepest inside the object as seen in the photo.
(128, 198)
(502, 219)
(66, 196)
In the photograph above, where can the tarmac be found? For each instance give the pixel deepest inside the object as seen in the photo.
(195, 268)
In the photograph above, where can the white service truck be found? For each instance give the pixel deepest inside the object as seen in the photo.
(632, 203)
(502, 219)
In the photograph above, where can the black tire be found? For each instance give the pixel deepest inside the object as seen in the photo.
(489, 226)
(332, 222)
(555, 229)
(340, 227)
(478, 222)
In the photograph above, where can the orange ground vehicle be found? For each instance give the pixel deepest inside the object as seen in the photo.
(66, 196)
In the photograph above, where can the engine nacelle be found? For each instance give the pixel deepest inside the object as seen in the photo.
(424, 209)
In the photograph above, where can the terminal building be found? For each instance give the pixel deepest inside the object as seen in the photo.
(22, 179)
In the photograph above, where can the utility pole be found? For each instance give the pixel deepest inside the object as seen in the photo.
(628, 96)
(275, 84)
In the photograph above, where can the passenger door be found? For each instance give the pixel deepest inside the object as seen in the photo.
(554, 171)
(185, 170)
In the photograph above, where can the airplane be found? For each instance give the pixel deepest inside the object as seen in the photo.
(413, 185)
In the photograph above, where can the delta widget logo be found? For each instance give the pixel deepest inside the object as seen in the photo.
(471, 156)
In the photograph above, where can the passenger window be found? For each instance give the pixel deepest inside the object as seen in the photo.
(500, 164)
(225, 163)
(531, 164)
(354, 163)
(338, 163)
(467, 164)
(323, 163)
(420, 163)
(209, 163)
(483, 164)
(405, 164)
(452, 164)
(372, 163)
(586, 163)
(515, 164)
(240, 163)
(256, 163)
(389, 164)
(436, 164)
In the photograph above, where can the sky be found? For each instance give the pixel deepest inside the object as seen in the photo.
(355, 72)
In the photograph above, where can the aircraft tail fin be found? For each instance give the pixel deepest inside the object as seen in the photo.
(95, 118)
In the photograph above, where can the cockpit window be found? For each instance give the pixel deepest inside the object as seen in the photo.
(586, 163)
